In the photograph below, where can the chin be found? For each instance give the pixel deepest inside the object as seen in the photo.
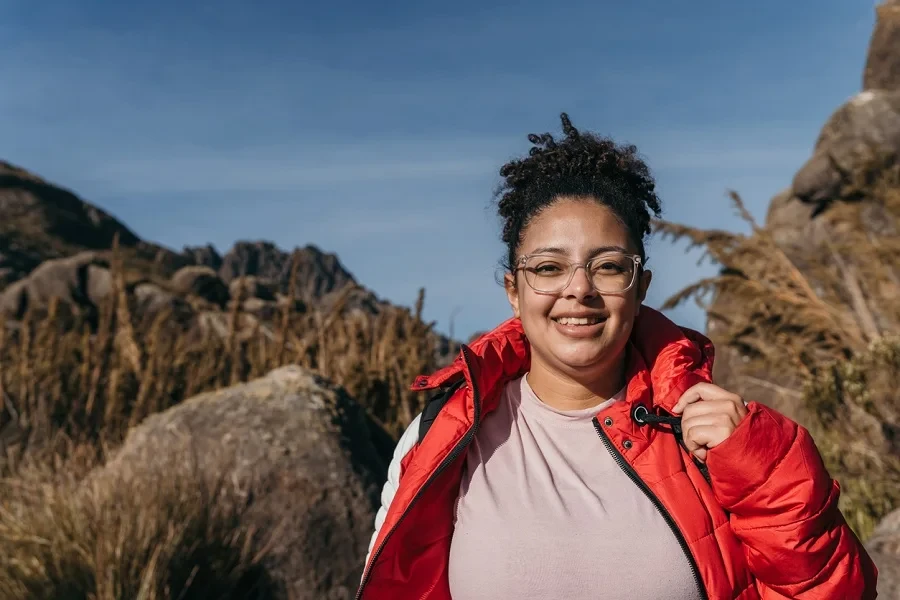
(580, 358)
(587, 353)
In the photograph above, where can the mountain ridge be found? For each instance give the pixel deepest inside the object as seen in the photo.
(41, 220)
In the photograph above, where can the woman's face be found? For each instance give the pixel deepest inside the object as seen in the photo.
(576, 230)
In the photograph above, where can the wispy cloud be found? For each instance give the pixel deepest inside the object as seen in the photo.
(299, 168)
(382, 224)
(730, 156)
(276, 174)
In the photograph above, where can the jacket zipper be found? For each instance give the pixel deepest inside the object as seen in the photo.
(632, 474)
(454, 454)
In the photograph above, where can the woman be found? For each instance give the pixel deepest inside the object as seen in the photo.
(580, 449)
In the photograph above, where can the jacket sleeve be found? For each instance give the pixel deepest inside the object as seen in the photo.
(407, 441)
(783, 503)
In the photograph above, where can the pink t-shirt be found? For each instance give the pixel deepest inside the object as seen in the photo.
(545, 513)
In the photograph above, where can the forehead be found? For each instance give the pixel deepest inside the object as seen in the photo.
(574, 226)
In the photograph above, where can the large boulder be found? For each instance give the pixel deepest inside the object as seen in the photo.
(201, 282)
(305, 455)
(151, 300)
(79, 283)
(863, 132)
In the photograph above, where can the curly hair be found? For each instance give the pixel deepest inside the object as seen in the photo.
(581, 165)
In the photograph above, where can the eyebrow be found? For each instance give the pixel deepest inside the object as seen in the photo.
(593, 252)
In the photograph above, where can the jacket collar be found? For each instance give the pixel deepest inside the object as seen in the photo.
(664, 360)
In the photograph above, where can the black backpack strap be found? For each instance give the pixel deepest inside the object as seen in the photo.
(435, 405)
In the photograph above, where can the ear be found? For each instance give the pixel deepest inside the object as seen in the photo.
(512, 293)
(643, 284)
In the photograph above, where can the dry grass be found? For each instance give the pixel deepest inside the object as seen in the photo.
(144, 538)
(856, 403)
(61, 379)
(807, 308)
(825, 309)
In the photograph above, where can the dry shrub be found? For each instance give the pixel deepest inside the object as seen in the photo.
(62, 378)
(120, 537)
(857, 430)
(807, 308)
(828, 312)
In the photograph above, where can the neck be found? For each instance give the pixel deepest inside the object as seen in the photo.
(566, 391)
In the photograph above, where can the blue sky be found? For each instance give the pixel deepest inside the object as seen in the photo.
(375, 129)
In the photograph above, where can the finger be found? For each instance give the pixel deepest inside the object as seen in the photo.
(704, 391)
(714, 407)
(708, 419)
(693, 394)
(689, 443)
(700, 423)
(691, 426)
(694, 448)
(708, 434)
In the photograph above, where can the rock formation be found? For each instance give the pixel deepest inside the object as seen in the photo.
(41, 221)
(80, 283)
(864, 130)
(883, 63)
(201, 282)
(306, 456)
(321, 278)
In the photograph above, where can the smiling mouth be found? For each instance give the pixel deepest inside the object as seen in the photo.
(579, 320)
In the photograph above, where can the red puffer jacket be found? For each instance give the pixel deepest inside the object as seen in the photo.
(765, 525)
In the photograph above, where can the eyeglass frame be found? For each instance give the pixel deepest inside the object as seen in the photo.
(574, 266)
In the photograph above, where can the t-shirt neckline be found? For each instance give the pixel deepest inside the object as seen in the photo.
(536, 407)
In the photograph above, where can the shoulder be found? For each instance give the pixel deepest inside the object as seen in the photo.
(416, 431)
(442, 398)
(433, 407)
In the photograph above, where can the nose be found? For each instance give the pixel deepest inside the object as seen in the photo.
(580, 287)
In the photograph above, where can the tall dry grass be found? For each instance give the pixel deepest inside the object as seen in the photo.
(59, 379)
(146, 538)
(826, 310)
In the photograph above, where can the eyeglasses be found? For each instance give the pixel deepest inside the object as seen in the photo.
(609, 273)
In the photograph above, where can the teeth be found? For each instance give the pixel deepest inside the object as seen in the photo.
(578, 321)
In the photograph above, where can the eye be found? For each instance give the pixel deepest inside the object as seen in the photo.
(545, 267)
(609, 267)
(615, 264)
